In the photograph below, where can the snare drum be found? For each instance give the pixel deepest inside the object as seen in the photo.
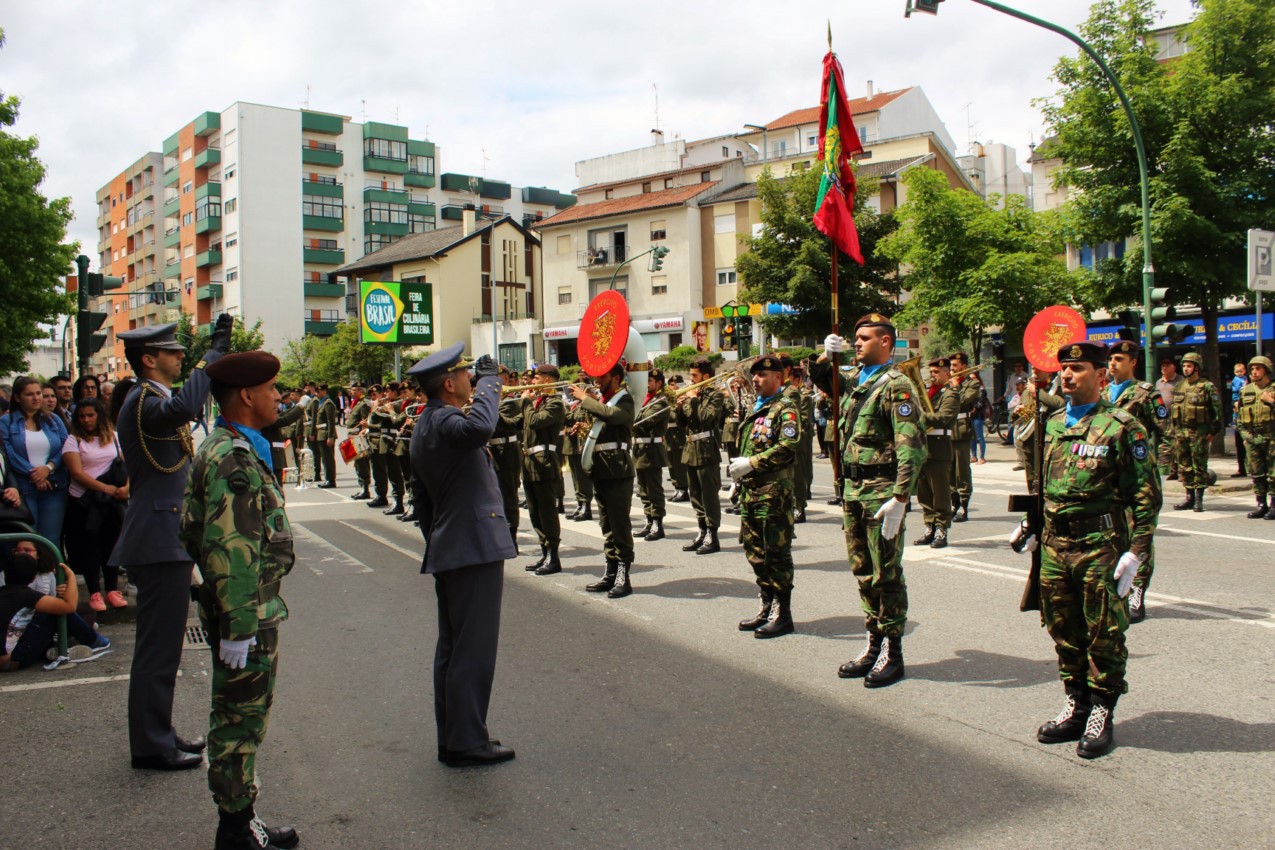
(362, 446)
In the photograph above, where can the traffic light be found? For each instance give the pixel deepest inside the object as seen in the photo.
(87, 341)
(96, 284)
(1163, 328)
(657, 258)
(87, 322)
(1131, 325)
(929, 7)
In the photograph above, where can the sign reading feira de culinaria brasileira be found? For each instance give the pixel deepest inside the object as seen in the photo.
(396, 313)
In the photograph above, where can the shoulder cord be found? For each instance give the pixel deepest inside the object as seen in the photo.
(183, 434)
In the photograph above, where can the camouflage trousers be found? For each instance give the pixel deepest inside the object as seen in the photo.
(935, 492)
(962, 477)
(241, 701)
(1082, 612)
(877, 565)
(650, 483)
(581, 482)
(765, 530)
(1192, 452)
(1260, 454)
(1026, 452)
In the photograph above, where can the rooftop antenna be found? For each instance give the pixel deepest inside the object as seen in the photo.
(396, 115)
(971, 127)
(307, 95)
(655, 88)
(363, 110)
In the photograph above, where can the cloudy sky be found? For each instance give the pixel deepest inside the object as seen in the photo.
(518, 91)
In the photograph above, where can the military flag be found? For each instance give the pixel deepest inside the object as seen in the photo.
(838, 141)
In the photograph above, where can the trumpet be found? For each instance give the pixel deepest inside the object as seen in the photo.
(520, 388)
(969, 370)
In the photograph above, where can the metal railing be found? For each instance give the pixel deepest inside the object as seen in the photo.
(601, 257)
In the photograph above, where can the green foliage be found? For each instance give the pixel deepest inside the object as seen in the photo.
(796, 352)
(571, 373)
(790, 262)
(680, 358)
(972, 266)
(198, 341)
(339, 359)
(32, 256)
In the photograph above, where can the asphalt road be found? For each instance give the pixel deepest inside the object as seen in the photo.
(652, 722)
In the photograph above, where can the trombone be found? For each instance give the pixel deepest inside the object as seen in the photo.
(520, 388)
(969, 370)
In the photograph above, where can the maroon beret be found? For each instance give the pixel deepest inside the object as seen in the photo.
(245, 369)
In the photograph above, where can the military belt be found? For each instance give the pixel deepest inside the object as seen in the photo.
(642, 441)
(863, 471)
(278, 445)
(1079, 526)
(702, 435)
(611, 447)
(960, 416)
(937, 432)
(538, 449)
(500, 441)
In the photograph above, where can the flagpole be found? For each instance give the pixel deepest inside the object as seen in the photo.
(836, 383)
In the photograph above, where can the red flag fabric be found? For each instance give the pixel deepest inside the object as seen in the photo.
(838, 141)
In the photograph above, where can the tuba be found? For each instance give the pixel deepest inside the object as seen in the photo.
(912, 369)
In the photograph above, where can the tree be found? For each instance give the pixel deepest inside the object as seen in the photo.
(297, 362)
(972, 267)
(342, 357)
(681, 358)
(198, 341)
(1206, 121)
(790, 262)
(32, 256)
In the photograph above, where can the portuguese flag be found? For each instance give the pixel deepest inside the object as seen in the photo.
(838, 140)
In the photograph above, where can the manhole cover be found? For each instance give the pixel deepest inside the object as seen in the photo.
(196, 636)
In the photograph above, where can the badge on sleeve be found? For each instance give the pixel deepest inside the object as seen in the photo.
(239, 482)
(905, 409)
(1140, 450)
(1161, 411)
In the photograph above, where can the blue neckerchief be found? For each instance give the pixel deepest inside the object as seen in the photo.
(1117, 389)
(1077, 412)
(867, 373)
(762, 402)
(259, 444)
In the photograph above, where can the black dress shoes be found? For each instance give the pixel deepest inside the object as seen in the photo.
(173, 760)
(195, 745)
(480, 756)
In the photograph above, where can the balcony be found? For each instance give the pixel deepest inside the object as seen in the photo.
(321, 153)
(315, 289)
(210, 224)
(318, 122)
(322, 222)
(207, 258)
(172, 207)
(207, 123)
(485, 318)
(386, 193)
(173, 271)
(208, 292)
(418, 180)
(171, 144)
(170, 176)
(601, 257)
(454, 212)
(322, 322)
(322, 190)
(208, 156)
(390, 228)
(172, 237)
(324, 256)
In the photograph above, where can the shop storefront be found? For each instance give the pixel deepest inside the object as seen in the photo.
(1236, 336)
(659, 335)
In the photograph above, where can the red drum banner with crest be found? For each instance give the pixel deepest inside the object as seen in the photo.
(1048, 331)
(604, 332)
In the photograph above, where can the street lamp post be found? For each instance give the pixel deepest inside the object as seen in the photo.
(1148, 268)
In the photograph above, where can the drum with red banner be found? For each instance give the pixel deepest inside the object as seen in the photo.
(1048, 331)
(606, 338)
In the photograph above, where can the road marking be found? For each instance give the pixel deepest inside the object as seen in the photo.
(415, 556)
(39, 686)
(1174, 530)
(337, 556)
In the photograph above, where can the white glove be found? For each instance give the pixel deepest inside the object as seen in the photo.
(834, 344)
(1021, 541)
(891, 516)
(234, 653)
(739, 467)
(1126, 569)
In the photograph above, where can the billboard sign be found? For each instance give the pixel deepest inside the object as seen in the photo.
(396, 313)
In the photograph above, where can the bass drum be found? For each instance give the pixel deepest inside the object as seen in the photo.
(637, 370)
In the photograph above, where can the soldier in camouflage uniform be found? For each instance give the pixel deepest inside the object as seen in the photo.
(700, 412)
(734, 415)
(803, 471)
(611, 467)
(543, 415)
(1197, 419)
(675, 438)
(236, 529)
(322, 438)
(506, 453)
(1140, 399)
(1255, 418)
(1102, 498)
(935, 489)
(765, 470)
(578, 424)
(650, 455)
(883, 451)
(355, 422)
(968, 389)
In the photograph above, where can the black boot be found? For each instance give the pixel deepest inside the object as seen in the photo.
(1099, 737)
(244, 831)
(695, 544)
(622, 587)
(940, 538)
(552, 565)
(927, 538)
(799, 515)
(709, 544)
(362, 494)
(586, 514)
(397, 509)
(646, 529)
(1199, 501)
(544, 557)
(889, 666)
(378, 502)
(1262, 507)
(576, 513)
(606, 582)
(657, 529)
(1069, 725)
(780, 620)
(754, 623)
(1270, 516)
(562, 508)
(1137, 605)
(962, 513)
(858, 667)
(956, 502)
(1186, 504)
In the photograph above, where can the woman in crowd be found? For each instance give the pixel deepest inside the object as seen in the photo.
(118, 395)
(50, 398)
(978, 446)
(86, 387)
(33, 438)
(95, 508)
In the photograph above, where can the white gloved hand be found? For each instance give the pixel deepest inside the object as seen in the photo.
(891, 516)
(834, 344)
(234, 653)
(1021, 541)
(1126, 569)
(739, 467)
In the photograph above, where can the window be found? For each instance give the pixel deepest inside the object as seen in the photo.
(564, 244)
(187, 187)
(646, 187)
(208, 206)
(232, 274)
(724, 223)
(228, 173)
(189, 250)
(323, 244)
(812, 140)
(659, 285)
(657, 231)
(704, 176)
(610, 193)
(385, 149)
(325, 179)
(601, 284)
(417, 164)
(187, 218)
(564, 295)
(725, 152)
(725, 277)
(668, 182)
(420, 223)
(231, 205)
(186, 154)
(377, 241)
(232, 240)
(384, 211)
(322, 207)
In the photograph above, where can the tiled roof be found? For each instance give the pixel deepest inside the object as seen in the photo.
(858, 106)
(645, 178)
(742, 192)
(418, 246)
(867, 168)
(630, 203)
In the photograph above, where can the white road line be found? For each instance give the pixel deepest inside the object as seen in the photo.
(337, 554)
(65, 683)
(1175, 530)
(415, 556)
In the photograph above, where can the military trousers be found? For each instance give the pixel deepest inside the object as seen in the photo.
(705, 484)
(580, 480)
(542, 508)
(237, 721)
(1168, 452)
(325, 461)
(676, 469)
(766, 532)
(163, 602)
(508, 461)
(877, 565)
(380, 476)
(615, 497)
(1082, 612)
(935, 492)
(363, 471)
(1193, 458)
(404, 461)
(962, 477)
(650, 482)
(1260, 450)
(802, 471)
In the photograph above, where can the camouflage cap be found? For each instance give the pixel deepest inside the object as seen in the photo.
(1127, 347)
(1262, 360)
(1193, 358)
(1084, 352)
(769, 363)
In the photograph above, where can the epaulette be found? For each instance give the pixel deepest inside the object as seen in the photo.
(1146, 386)
(1123, 416)
(241, 443)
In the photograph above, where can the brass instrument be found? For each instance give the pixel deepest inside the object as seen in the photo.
(968, 370)
(520, 388)
(912, 369)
